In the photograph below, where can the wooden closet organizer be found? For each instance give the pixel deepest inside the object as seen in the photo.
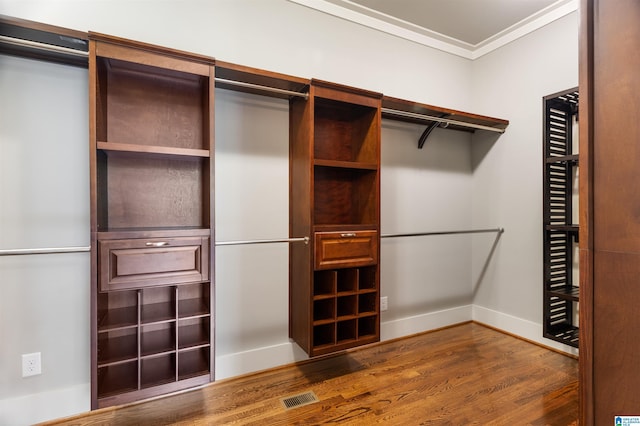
(152, 194)
(151, 113)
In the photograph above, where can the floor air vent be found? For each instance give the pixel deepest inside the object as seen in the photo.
(299, 400)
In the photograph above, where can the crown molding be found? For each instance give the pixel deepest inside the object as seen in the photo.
(361, 15)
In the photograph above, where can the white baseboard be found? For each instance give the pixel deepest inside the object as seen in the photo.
(43, 406)
(520, 327)
(239, 363)
(424, 322)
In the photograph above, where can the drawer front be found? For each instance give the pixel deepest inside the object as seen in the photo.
(345, 249)
(136, 263)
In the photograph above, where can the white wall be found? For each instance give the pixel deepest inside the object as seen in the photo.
(507, 179)
(276, 35)
(44, 199)
(430, 281)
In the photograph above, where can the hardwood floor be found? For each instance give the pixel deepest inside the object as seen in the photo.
(463, 375)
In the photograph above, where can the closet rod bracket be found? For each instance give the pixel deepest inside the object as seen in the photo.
(429, 129)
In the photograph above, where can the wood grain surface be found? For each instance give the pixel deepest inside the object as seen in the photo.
(462, 375)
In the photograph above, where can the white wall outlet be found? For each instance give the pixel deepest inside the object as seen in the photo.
(384, 303)
(31, 364)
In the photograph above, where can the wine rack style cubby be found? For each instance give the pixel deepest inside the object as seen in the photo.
(335, 199)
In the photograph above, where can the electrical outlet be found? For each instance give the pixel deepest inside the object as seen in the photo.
(31, 364)
(384, 303)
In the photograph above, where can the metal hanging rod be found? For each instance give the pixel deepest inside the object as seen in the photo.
(56, 250)
(42, 46)
(260, 87)
(277, 240)
(467, 231)
(446, 121)
(59, 49)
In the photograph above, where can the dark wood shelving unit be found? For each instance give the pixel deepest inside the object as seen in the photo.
(151, 113)
(560, 235)
(335, 199)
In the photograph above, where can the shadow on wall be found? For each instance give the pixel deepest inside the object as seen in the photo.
(444, 150)
(487, 262)
(481, 144)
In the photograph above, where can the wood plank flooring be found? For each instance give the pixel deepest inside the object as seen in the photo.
(463, 375)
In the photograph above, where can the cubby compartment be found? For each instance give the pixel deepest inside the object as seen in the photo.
(141, 191)
(347, 306)
(158, 304)
(344, 196)
(158, 370)
(368, 278)
(117, 310)
(346, 330)
(117, 379)
(324, 283)
(194, 332)
(117, 345)
(367, 303)
(324, 309)
(367, 326)
(194, 300)
(150, 105)
(158, 338)
(193, 362)
(345, 132)
(324, 334)
(347, 280)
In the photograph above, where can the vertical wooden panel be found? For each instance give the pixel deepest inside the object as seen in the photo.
(610, 210)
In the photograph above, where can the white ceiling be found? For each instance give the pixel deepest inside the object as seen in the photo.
(468, 28)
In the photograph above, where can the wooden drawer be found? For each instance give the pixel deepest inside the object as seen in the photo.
(136, 263)
(345, 249)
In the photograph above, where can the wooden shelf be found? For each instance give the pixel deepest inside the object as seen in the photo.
(117, 348)
(158, 312)
(563, 228)
(259, 77)
(48, 35)
(345, 164)
(402, 105)
(135, 232)
(193, 308)
(193, 333)
(118, 318)
(151, 151)
(568, 293)
(564, 333)
(572, 159)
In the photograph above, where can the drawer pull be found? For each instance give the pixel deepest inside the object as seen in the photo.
(157, 244)
(348, 235)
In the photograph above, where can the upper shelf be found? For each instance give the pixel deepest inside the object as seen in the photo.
(414, 112)
(259, 82)
(41, 41)
(239, 78)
